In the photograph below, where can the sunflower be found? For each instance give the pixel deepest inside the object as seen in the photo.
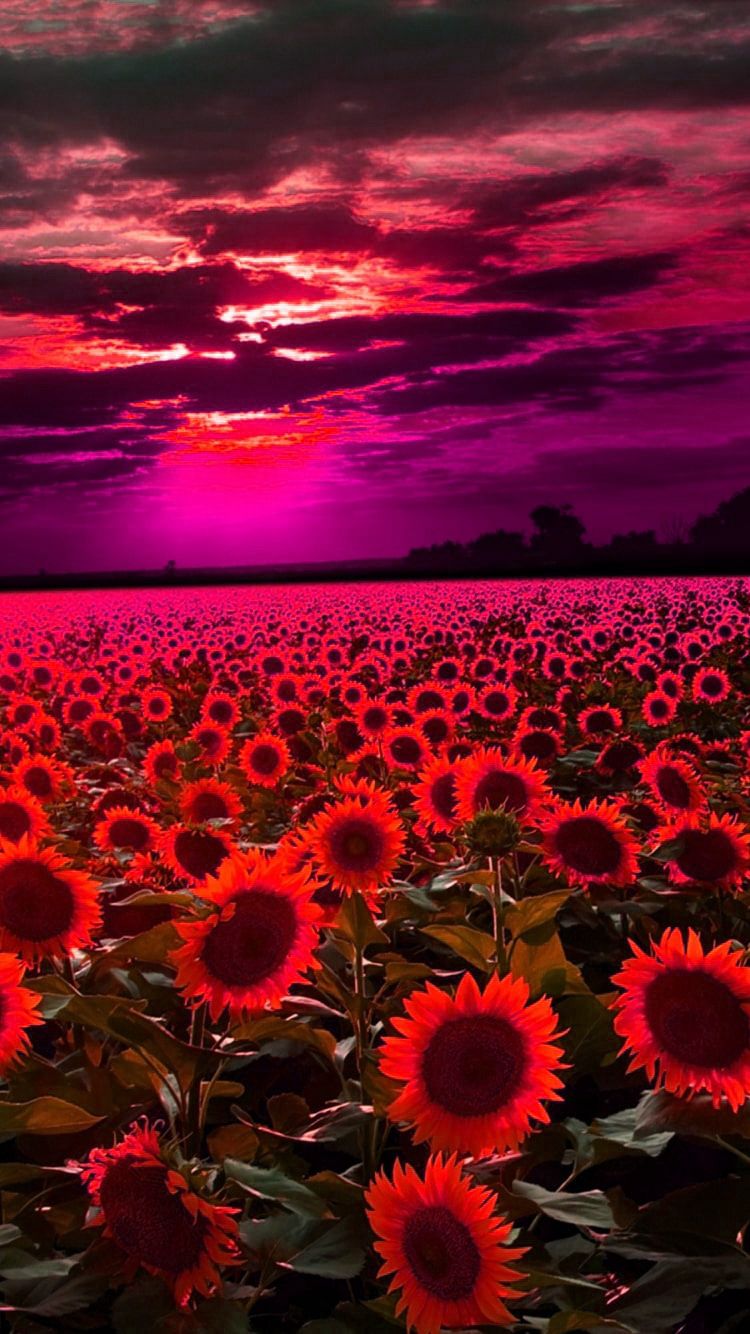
(713, 851)
(220, 709)
(41, 778)
(498, 702)
(435, 795)
(161, 761)
(20, 814)
(619, 756)
(156, 705)
(659, 709)
(443, 1247)
(18, 1012)
(476, 1068)
(711, 686)
(589, 844)
(194, 853)
(537, 743)
(487, 779)
(104, 733)
(685, 1017)
(373, 717)
(126, 830)
(264, 759)
(214, 741)
(47, 909)
(258, 941)
(208, 799)
(357, 842)
(599, 720)
(437, 726)
(405, 747)
(673, 782)
(153, 1216)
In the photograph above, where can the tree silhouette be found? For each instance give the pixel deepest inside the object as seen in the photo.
(559, 534)
(726, 532)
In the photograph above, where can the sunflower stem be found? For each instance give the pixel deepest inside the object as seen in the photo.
(193, 1128)
(498, 918)
(743, 1157)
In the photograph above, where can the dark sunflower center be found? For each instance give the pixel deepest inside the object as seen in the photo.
(497, 703)
(199, 852)
(621, 755)
(210, 741)
(14, 821)
(672, 787)
(208, 806)
(165, 765)
(356, 844)
(441, 1253)
(472, 1066)
(543, 718)
(125, 833)
(157, 706)
(148, 1221)
(601, 720)
(406, 750)
(588, 846)
(712, 685)
(219, 711)
(34, 903)
(501, 788)
(538, 745)
(254, 942)
(375, 718)
(429, 699)
(38, 782)
(707, 854)
(265, 759)
(659, 708)
(443, 793)
(436, 730)
(696, 1018)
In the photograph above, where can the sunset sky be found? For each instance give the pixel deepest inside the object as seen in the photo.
(320, 279)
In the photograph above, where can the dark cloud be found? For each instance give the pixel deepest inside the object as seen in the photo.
(584, 284)
(520, 202)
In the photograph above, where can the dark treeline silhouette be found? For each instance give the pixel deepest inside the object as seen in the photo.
(557, 544)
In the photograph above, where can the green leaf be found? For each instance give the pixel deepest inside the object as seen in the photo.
(356, 923)
(337, 1253)
(690, 1116)
(477, 947)
(587, 1209)
(44, 1116)
(268, 1183)
(533, 912)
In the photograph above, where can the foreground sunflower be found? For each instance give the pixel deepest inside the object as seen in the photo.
(685, 1016)
(435, 795)
(258, 941)
(486, 780)
(357, 842)
(18, 1011)
(589, 844)
(20, 814)
(712, 852)
(477, 1068)
(151, 1214)
(443, 1246)
(47, 909)
(673, 781)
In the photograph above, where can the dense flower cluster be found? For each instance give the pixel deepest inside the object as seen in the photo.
(349, 937)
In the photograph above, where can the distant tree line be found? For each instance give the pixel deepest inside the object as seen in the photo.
(716, 541)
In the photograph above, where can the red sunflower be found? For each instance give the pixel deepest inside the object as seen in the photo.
(264, 759)
(20, 814)
(126, 830)
(659, 709)
(477, 1067)
(18, 1012)
(711, 686)
(258, 942)
(373, 717)
(435, 795)
(42, 778)
(443, 1247)
(685, 1017)
(220, 709)
(673, 782)
(405, 748)
(600, 720)
(47, 909)
(161, 761)
(208, 799)
(487, 780)
(156, 705)
(214, 741)
(194, 853)
(590, 844)
(713, 851)
(152, 1214)
(537, 743)
(357, 842)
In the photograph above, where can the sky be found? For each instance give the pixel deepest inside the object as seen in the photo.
(301, 280)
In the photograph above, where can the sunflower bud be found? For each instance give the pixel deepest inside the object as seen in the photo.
(493, 833)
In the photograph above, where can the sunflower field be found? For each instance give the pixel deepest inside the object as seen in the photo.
(376, 957)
